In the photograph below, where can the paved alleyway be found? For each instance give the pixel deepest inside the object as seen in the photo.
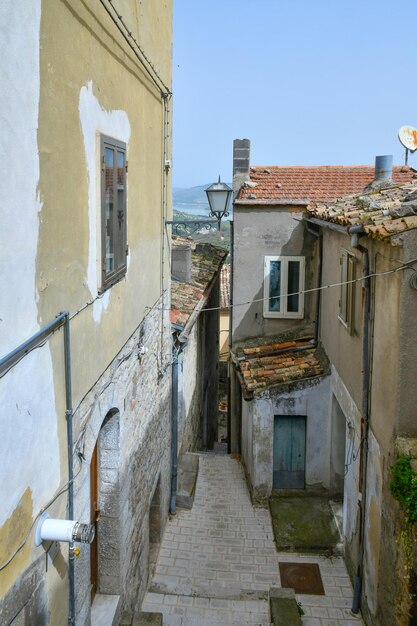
(218, 561)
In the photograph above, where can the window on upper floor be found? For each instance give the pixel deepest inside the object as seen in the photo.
(347, 289)
(283, 284)
(113, 211)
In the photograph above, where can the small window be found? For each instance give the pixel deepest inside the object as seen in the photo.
(283, 284)
(113, 211)
(347, 290)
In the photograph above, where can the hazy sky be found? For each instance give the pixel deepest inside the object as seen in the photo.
(309, 82)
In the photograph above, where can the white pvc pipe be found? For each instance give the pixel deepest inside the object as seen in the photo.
(57, 529)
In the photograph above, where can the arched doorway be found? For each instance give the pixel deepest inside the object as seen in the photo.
(105, 508)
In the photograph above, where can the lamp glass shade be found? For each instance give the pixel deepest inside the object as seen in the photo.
(218, 195)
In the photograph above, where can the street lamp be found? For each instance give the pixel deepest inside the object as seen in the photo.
(218, 196)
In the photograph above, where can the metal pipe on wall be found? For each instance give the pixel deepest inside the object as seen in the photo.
(357, 591)
(70, 451)
(11, 359)
(174, 432)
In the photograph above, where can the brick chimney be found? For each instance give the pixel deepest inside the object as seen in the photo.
(241, 157)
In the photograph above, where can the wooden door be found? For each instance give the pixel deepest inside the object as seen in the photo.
(289, 452)
(94, 512)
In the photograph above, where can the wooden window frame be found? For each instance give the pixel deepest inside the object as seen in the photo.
(119, 216)
(347, 290)
(284, 313)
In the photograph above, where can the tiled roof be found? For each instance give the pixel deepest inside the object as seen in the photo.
(301, 185)
(279, 363)
(185, 297)
(381, 213)
(225, 287)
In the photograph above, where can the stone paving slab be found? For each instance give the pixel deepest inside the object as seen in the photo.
(218, 561)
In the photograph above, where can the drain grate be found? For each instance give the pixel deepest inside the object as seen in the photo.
(302, 577)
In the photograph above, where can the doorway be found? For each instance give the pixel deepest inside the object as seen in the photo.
(94, 517)
(289, 452)
(154, 529)
(105, 509)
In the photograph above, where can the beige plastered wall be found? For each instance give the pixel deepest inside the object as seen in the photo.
(260, 232)
(345, 353)
(80, 49)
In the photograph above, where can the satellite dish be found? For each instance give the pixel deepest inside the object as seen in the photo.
(408, 137)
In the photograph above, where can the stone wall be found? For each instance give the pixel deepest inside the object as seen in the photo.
(128, 413)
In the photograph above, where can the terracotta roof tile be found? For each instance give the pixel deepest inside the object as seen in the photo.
(307, 184)
(278, 363)
(382, 213)
(225, 287)
(206, 261)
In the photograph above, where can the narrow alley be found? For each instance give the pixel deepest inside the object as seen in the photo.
(217, 562)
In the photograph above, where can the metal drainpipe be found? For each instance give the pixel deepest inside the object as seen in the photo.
(365, 412)
(70, 447)
(174, 434)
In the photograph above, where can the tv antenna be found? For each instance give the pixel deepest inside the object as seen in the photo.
(408, 137)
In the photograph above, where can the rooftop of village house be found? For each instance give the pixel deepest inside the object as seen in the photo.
(206, 260)
(381, 212)
(298, 185)
(225, 287)
(268, 362)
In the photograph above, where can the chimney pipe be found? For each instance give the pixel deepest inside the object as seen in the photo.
(383, 173)
(241, 156)
(383, 167)
(181, 263)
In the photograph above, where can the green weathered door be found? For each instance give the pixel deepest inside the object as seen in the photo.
(289, 452)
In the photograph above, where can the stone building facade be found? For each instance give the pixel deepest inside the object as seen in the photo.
(86, 130)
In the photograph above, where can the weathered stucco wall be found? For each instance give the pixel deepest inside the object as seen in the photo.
(259, 232)
(29, 454)
(343, 349)
(313, 401)
(407, 390)
(189, 413)
(68, 76)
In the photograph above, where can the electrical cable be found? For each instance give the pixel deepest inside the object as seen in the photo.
(156, 79)
(59, 493)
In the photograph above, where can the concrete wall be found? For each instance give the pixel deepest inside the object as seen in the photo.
(69, 76)
(190, 433)
(313, 401)
(259, 232)
(224, 334)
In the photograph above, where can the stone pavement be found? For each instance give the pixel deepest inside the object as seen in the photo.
(218, 561)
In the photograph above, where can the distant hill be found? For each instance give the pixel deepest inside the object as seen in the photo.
(192, 200)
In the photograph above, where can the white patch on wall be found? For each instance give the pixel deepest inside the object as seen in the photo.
(29, 451)
(95, 120)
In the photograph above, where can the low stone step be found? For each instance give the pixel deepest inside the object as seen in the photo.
(187, 479)
(143, 618)
(284, 607)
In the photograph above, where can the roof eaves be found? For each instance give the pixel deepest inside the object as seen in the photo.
(273, 202)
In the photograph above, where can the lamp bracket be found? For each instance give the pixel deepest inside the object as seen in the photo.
(189, 227)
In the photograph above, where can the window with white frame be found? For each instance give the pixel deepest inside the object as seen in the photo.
(347, 289)
(283, 286)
